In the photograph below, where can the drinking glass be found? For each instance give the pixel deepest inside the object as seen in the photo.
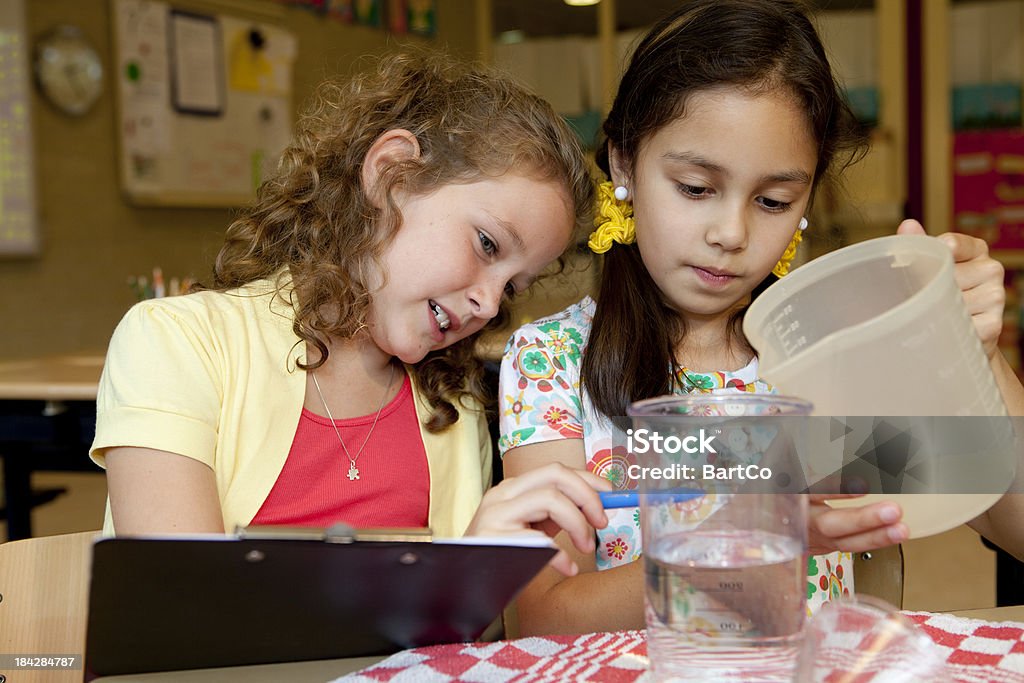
(864, 639)
(724, 554)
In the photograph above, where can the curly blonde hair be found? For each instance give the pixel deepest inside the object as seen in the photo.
(314, 217)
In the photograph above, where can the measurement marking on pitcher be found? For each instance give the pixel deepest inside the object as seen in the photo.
(783, 331)
(789, 343)
(795, 345)
(777, 320)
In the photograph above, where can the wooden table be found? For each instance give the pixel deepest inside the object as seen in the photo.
(1012, 613)
(38, 398)
(44, 583)
(319, 671)
(72, 377)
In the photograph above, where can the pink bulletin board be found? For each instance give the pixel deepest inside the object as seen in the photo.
(988, 187)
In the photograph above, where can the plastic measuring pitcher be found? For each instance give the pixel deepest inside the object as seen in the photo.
(880, 328)
(877, 328)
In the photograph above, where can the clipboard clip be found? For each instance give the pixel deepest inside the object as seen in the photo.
(340, 533)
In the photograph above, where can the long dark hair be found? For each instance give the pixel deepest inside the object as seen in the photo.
(759, 46)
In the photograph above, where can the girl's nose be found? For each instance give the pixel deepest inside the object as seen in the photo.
(485, 298)
(728, 230)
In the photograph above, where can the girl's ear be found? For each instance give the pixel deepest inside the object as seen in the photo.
(390, 148)
(619, 168)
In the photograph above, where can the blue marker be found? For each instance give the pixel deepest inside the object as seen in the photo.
(631, 499)
(619, 499)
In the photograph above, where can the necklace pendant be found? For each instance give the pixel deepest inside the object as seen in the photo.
(353, 471)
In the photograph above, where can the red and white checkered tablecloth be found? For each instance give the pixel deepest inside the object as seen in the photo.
(976, 652)
(608, 657)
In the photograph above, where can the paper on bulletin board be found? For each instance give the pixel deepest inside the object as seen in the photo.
(145, 85)
(988, 186)
(216, 151)
(197, 73)
(19, 229)
(255, 63)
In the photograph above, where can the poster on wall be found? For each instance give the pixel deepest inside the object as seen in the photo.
(988, 186)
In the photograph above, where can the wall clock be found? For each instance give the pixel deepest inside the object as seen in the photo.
(68, 70)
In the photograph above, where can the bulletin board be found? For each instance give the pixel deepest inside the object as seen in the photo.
(204, 103)
(19, 229)
(988, 189)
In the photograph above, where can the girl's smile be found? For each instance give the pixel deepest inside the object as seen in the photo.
(443, 320)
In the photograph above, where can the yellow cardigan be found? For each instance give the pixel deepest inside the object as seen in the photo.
(213, 376)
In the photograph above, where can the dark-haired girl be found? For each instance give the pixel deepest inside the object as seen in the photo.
(726, 120)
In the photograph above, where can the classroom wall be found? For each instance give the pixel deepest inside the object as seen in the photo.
(70, 297)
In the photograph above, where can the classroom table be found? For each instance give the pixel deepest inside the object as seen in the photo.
(976, 651)
(980, 646)
(47, 615)
(984, 645)
(47, 406)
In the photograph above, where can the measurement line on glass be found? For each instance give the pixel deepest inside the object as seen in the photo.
(784, 329)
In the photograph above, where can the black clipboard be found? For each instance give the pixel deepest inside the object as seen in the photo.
(272, 595)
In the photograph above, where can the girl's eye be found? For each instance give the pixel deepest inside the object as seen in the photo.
(695, 191)
(510, 290)
(774, 205)
(490, 246)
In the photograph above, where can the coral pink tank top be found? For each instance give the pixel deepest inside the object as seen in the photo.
(393, 488)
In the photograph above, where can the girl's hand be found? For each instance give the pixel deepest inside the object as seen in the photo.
(855, 529)
(546, 500)
(980, 278)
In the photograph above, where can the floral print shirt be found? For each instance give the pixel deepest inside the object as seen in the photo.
(541, 400)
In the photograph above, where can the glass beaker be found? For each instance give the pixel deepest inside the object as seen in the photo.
(724, 553)
(866, 640)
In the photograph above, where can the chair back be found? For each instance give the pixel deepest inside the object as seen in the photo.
(879, 573)
(44, 584)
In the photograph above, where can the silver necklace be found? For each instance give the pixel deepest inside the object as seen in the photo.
(353, 471)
